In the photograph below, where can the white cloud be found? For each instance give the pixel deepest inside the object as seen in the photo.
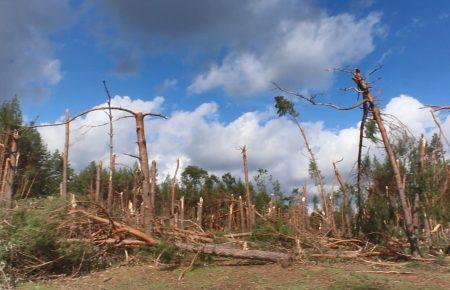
(410, 112)
(299, 52)
(253, 42)
(199, 138)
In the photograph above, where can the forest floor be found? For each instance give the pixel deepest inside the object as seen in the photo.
(239, 275)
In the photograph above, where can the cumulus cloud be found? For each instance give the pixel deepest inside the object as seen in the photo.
(27, 62)
(198, 137)
(410, 112)
(256, 41)
(299, 53)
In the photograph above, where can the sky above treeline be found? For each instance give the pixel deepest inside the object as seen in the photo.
(209, 65)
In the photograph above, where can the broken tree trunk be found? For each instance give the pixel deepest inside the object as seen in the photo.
(304, 217)
(200, 212)
(10, 170)
(250, 212)
(143, 160)
(182, 212)
(408, 222)
(210, 249)
(272, 206)
(346, 209)
(65, 157)
(230, 215)
(110, 198)
(98, 179)
(153, 187)
(173, 189)
(242, 214)
(217, 250)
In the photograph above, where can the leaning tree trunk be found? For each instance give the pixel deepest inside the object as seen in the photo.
(329, 219)
(408, 221)
(346, 202)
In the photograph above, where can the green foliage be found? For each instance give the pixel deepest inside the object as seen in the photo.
(32, 234)
(285, 107)
(371, 130)
(267, 234)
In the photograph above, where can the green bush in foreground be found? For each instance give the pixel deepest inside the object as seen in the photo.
(33, 242)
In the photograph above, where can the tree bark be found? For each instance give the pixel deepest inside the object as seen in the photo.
(230, 215)
(65, 157)
(112, 163)
(242, 214)
(304, 208)
(98, 179)
(346, 209)
(110, 197)
(153, 187)
(10, 170)
(173, 189)
(250, 212)
(200, 212)
(182, 212)
(407, 218)
(143, 160)
(213, 249)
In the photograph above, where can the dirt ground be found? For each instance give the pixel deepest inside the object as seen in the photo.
(238, 275)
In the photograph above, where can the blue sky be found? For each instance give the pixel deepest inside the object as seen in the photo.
(215, 61)
(413, 46)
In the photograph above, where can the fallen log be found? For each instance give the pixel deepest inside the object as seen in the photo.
(210, 249)
(217, 250)
(137, 233)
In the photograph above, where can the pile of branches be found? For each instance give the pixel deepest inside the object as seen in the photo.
(279, 247)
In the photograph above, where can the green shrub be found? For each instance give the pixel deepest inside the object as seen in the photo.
(33, 242)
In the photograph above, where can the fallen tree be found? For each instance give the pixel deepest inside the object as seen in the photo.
(208, 249)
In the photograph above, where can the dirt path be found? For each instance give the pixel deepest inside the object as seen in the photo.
(236, 276)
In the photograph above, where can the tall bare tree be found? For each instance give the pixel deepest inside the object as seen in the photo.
(110, 197)
(250, 211)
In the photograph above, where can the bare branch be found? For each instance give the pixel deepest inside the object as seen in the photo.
(311, 99)
(96, 109)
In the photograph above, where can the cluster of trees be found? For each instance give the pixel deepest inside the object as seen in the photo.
(372, 207)
(38, 171)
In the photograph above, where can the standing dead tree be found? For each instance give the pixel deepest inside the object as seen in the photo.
(110, 197)
(148, 213)
(173, 189)
(98, 180)
(250, 211)
(369, 103)
(9, 171)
